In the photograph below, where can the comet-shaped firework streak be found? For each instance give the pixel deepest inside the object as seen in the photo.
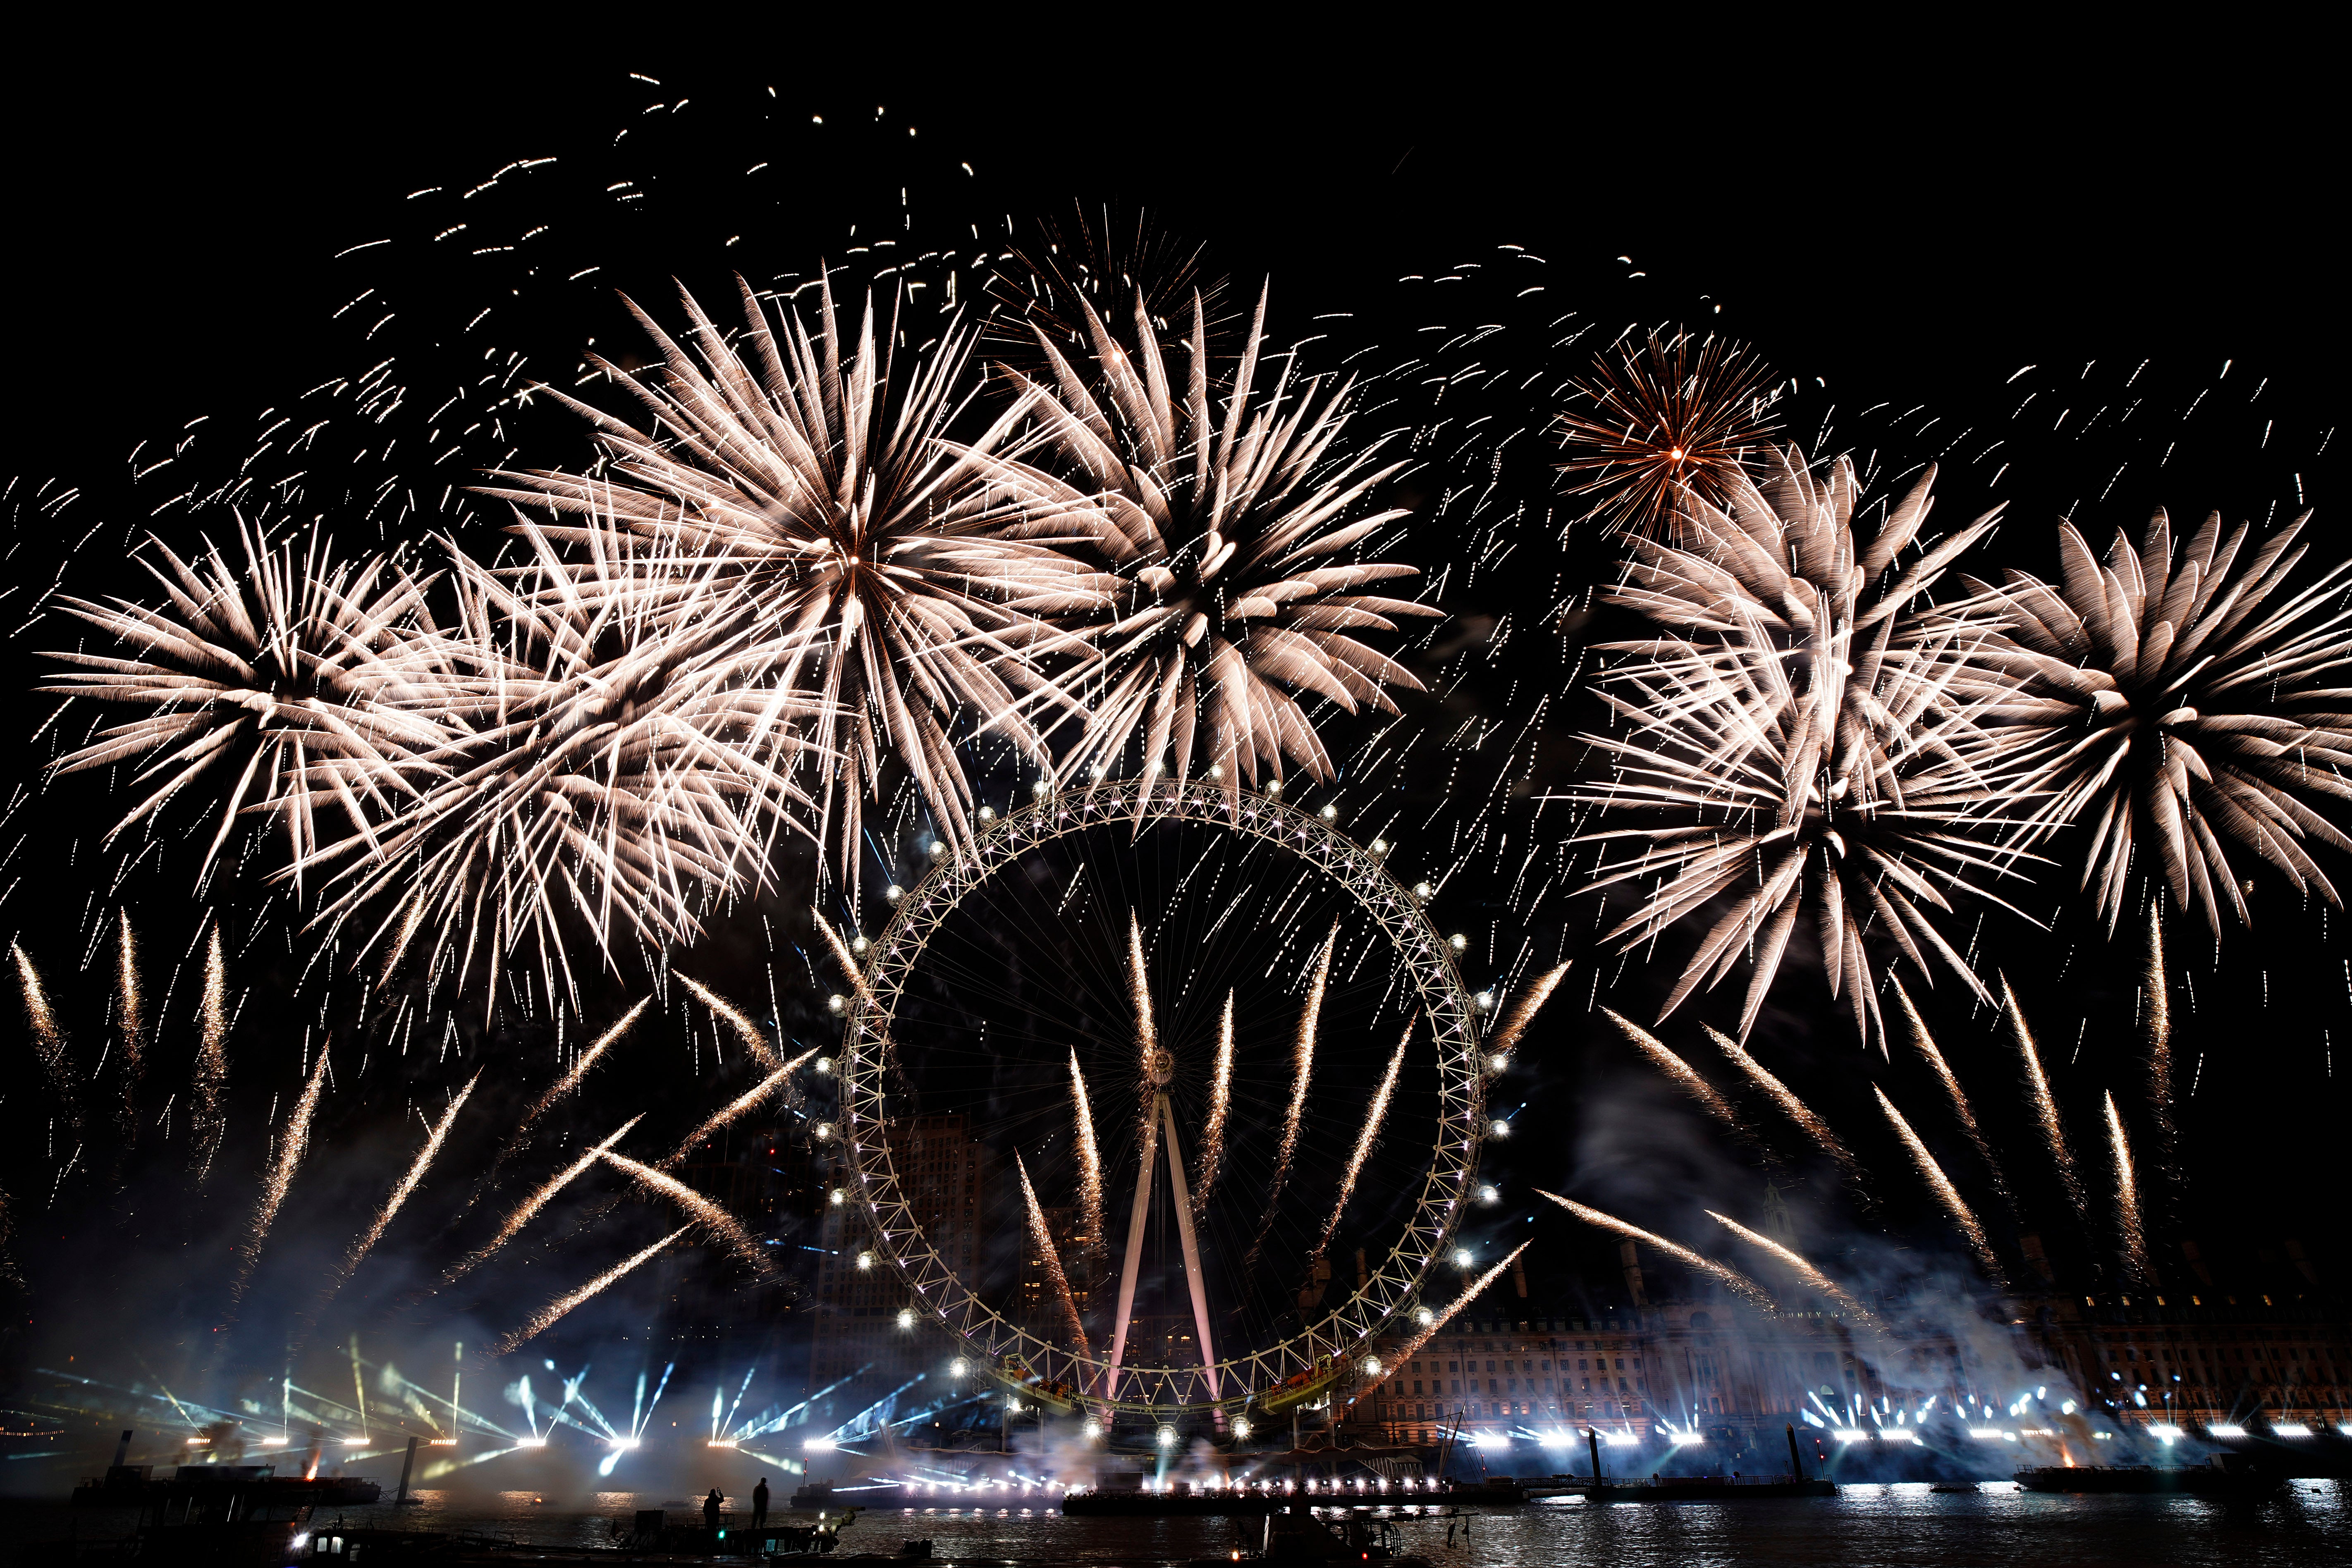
(545, 1318)
(1302, 1070)
(134, 1013)
(1523, 1009)
(1090, 1175)
(1813, 1278)
(727, 1114)
(1961, 1109)
(1042, 1237)
(1946, 1194)
(536, 1202)
(1138, 984)
(1795, 1110)
(47, 1039)
(1685, 1077)
(2159, 1045)
(1220, 1108)
(2130, 1233)
(1741, 1286)
(1470, 1293)
(746, 1030)
(290, 1148)
(211, 1075)
(1372, 1133)
(720, 1224)
(400, 1194)
(2045, 1104)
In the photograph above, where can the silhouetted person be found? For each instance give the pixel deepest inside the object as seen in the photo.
(759, 1504)
(710, 1505)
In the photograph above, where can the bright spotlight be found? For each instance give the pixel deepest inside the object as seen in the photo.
(819, 1446)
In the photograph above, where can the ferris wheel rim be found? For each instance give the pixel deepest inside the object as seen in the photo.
(1387, 1292)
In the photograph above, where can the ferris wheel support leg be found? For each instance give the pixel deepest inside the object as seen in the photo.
(1140, 1217)
(1181, 1192)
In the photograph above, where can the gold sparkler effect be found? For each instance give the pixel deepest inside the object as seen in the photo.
(1815, 1280)
(1041, 1237)
(747, 1031)
(1961, 1109)
(721, 1225)
(1364, 1151)
(545, 1318)
(408, 1184)
(2159, 1037)
(766, 1089)
(291, 1145)
(1795, 1110)
(2045, 1104)
(1090, 1172)
(47, 1037)
(1221, 1107)
(2130, 1233)
(133, 1003)
(210, 1080)
(1684, 1076)
(588, 1058)
(1523, 1011)
(1471, 1293)
(1302, 1067)
(1746, 1288)
(537, 1201)
(842, 955)
(1138, 996)
(1946, 1194)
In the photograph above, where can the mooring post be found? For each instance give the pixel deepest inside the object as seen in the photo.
(1795, 1462)
(1592, 1441)
(406, 1464)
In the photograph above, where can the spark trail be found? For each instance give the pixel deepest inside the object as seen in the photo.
(1139, 991)
(2045, 1104)
(842, 955)
(2159, 1041)
(134, 1013)
(1302, 1067)
(1372, 1120)
(544, 1319)
(1043, 1239)
(749, 1032)
(408, 1184)
(48, 1040)
(211, 1075)
(1685, 1077)
(1523, 1011)
(1961, 1109)
(537, 1201)
(1475, 1289)
(728, 1114)
(588, 1058)
(723, 1226)
(1813, 1278)
(1795, 1110)
(2130, 1233)
(1740, 1284)
(1221, 1107)
(1090, 1174)
(1946, 1194)
(290, 1149)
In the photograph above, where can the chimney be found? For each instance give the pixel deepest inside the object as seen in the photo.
(2197, 1261)
(2031, 1244)
(1519, 1278)
(123, 1451)
(1626, 1256)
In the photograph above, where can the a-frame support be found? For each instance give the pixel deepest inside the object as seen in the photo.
(1162, 1123)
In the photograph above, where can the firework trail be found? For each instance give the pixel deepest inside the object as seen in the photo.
(1302, 1067)
(541, 1321)
(725, 1115)
(1090, 1172)
(1944, 1075)
(400, 1194)
(1819, 1282)
(716, 1220)
(134, 1013)
(1220, 1105)
(291, 1146)
(2131, 1233)
(588, 1058)
(1743, 1287)
(2159, 1039)
(1237, 605)
(1665, 426)
(842, 955)
(1523, 1011)
(47, 1039)
(2045, 1104)
(1139, 993)
(1685, 1077)
(533, 1203)
(211, 1075)
(1795, 1110)
(2177, 704)
(1470, 1293)
(1946, 1194)
(749, 1032)
(1043, 1239)
(1370, 1135)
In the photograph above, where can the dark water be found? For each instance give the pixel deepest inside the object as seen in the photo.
(1896, 1526)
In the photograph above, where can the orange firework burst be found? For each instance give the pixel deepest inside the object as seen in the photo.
(1648, 426)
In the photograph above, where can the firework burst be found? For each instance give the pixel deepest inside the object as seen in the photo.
(1236, 600)
(1220, 1108)
(1042, 1237)
(2180, 701)
(1740, 1285)
(1946, 1194)
(545, 1318)
(1652, 428)
(1799, 745)
(873, 571)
